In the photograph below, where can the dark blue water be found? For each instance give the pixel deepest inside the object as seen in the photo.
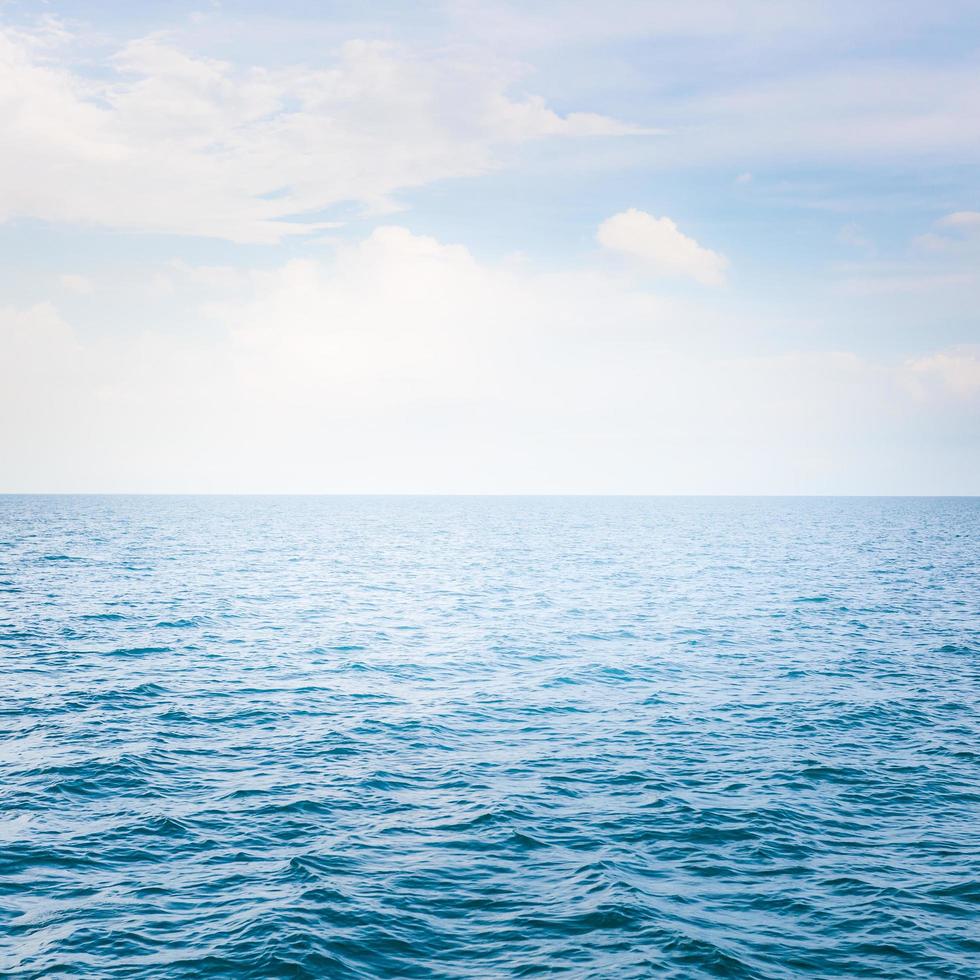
(329, 737)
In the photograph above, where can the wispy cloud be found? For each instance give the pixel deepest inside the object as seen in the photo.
(171, 142)
(961, 219)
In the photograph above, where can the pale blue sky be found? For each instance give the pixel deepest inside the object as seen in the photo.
(491, 247)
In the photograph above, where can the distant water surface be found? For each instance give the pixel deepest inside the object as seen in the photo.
(489, 737)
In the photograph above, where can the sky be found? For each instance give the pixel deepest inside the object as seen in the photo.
(710, 247)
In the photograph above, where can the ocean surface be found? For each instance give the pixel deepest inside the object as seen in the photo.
(489, 737)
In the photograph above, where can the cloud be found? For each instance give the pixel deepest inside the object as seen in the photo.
(936, 264)
(661, 247)
(743, 23)
(852, 234)
(909, 280)
(956, 370)
(866, 112)
(164, 141)
(961, 219)
(754, 86)
(403, 363)
(35, 340)
(74, 282)
(42, 383)
(964, 226)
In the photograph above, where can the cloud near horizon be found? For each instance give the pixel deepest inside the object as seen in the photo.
(401, 363)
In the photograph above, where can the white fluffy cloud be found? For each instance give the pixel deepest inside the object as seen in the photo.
(401, 363)
(163, 141)
(661, 247)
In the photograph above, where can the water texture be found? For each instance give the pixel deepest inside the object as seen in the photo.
(467, 737)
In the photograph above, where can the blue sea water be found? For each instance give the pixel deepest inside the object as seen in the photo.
(489, 737)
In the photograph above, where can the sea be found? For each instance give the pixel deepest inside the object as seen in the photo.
(468, 737)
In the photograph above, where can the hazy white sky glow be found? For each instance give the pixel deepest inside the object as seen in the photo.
(463, 247)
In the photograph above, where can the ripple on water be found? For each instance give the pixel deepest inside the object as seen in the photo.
(366, 737)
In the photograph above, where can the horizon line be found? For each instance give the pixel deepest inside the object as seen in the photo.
(482, 494)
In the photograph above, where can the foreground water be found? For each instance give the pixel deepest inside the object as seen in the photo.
(394, 737)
